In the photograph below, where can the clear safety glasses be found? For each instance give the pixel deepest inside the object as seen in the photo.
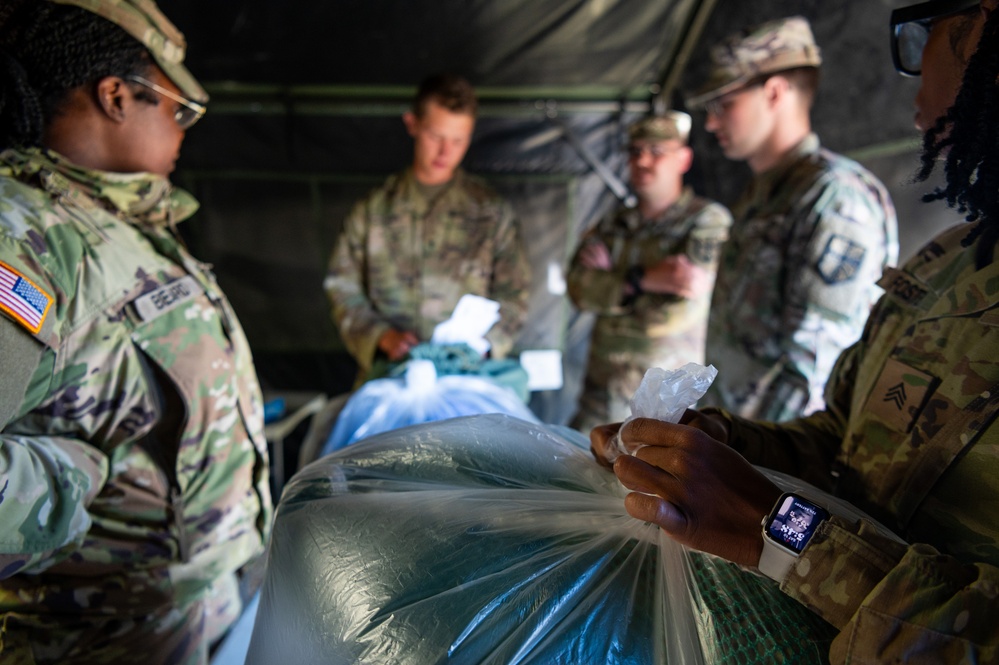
(186, 114)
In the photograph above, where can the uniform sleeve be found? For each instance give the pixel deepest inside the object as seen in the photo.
(46, 482)
(894, 603)
(806, 447)
(891, 602)
(845, 239)
(359, 325)
(510, 285)
(707, 236)
(597, 291)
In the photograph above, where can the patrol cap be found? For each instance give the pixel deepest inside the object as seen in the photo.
(769, 48)
(143, 20)
(666, 127)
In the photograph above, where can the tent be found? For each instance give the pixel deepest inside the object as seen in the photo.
(304, 120)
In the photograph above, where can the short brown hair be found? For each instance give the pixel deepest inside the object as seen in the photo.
(452, 92)
(804, 79)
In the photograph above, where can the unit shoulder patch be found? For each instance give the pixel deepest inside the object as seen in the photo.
(840, 260)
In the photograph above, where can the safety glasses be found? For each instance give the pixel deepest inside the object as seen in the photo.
(186, 114)
(910, 28)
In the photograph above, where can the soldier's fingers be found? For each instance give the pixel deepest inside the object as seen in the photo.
(600, 438)
(651, 432)
(656, 510)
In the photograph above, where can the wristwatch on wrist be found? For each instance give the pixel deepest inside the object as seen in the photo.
(786, 531)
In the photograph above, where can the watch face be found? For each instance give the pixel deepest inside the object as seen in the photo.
(794, 522)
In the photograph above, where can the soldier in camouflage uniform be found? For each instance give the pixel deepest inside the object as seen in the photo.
(133, 468)
(647, 273)
(910, 434)
(429, 235)
(813, 232)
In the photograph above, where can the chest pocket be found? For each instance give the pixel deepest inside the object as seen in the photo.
(929, 403)
(192, 339)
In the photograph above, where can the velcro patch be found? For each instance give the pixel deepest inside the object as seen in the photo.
(840, 260)
(23, 299)
(903, 286)
(167, 297)
(900, 394)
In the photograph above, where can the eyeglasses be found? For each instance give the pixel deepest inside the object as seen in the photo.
(910, 28)
(186, 114)
(719, 105)
(655, 150)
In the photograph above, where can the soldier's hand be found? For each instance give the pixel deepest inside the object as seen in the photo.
(601, 446)
(711, 424)
(701, 492)
(677, 275)
(396, 344)
(594, 255)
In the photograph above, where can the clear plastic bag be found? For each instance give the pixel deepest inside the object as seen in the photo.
(420, 396)
(492, 540)
(664, 395)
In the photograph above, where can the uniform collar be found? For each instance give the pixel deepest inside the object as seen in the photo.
(943, 280)
(974, 289)
(143, 198)
(409, 197)
(633, 219)
(766, 183)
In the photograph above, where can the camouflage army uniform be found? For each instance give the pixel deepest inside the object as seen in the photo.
(404, 262)
(796, 281)
(911, 432)
(135, 469)
(653, 330)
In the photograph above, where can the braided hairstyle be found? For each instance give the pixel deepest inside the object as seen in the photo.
(970, 130)
(48, 50)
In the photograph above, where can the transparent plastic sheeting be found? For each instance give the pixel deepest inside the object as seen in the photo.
(420, 396)
(487, 539)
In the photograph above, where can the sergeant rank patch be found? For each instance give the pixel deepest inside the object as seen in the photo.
(840, 259)
(22, 300)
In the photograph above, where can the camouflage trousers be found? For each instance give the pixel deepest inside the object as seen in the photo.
(171, 635)
(607, 395)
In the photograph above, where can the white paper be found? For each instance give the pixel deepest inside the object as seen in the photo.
(544, 368)
(471, 319)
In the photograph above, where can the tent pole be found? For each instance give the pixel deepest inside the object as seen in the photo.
(678, 61)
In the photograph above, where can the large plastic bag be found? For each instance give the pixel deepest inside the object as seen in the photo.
(420, 396)
(491, 540)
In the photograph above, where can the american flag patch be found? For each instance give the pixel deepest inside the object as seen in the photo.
(22, 299)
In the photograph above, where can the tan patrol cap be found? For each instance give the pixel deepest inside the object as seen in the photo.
(766, 49)
(143, 20)
(667, 127)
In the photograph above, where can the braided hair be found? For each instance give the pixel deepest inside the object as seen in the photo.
(48, 50)
(970, 130)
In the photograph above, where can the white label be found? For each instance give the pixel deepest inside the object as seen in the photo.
(167, 297)
(544, 368)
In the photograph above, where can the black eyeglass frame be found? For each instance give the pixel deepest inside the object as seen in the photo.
(921, 13)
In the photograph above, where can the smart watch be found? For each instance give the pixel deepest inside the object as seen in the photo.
(786, 531)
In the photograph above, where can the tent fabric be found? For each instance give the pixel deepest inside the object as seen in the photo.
(304, 120)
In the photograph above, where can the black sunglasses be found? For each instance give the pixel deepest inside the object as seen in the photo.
(910, 28)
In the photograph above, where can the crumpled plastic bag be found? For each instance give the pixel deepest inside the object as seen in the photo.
(487, 539)
(665, 395)
(420, 396)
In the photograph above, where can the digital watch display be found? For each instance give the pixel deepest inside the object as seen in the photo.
(786, 531)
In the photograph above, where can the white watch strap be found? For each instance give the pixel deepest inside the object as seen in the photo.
(775, 562)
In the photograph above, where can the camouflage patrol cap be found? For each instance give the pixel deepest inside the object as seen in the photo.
(769, 48)
(143, 20)
(667, 127)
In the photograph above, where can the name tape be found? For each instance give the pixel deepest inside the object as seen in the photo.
(167, 297)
